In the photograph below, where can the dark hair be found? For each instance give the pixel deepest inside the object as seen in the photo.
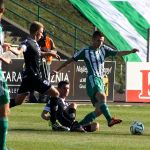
(61, 83)
(97, 33)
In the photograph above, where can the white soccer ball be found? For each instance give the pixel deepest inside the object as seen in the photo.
(137, 128)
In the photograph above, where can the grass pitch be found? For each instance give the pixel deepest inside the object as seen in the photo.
(27, 131)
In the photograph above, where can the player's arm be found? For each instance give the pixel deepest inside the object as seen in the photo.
(16, 51)
(6, 46)
(50, 53)
(70, 60)
(45, 115)
(6, 60)
(122, 53)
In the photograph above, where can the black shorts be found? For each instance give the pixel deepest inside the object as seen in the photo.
(33, 83)
(64, 119)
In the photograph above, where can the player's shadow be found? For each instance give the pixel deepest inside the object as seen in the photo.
(29, 130)
(120, 134)
(96, 133)
(40, 131)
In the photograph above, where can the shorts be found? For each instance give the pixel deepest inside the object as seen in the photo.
(93, 85)
(33, 83)
(64, 119)
(4, 92)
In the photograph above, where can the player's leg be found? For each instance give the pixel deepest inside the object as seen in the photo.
(95, 90)
(53, 92)
(94, 126)
(90, 87)
(4, 110)
(90, 117)
(23, 91)
(101, 105)
(71, 111)
(64, 119)
(67, 117)
(32, 97)
(20, 98)
(44, 87)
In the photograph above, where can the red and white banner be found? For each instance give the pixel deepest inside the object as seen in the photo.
(138, 82)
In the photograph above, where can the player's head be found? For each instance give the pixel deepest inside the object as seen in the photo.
(36, 30)
(98, 39)
(2, 8)
(64, 88)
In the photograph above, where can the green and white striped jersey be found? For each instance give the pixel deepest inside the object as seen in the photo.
(94, 59)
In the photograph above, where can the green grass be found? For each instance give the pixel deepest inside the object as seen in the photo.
(27, 131)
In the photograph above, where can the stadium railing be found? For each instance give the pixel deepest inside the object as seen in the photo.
(67, 37)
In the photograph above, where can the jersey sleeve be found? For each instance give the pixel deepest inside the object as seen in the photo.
(23, 46)
(110, 51)
(47, 106)
(79, 55)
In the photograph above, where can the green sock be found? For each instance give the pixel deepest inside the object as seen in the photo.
(3, 132)
(105, 110)
(88, 118)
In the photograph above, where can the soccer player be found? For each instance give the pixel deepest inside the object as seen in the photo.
(66, 112)
(32, 79)
(4, 92)
(46, 44)
(94, 57)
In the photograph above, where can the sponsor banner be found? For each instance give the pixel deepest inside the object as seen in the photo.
(138, 82)
(75, 73)
(12, 74)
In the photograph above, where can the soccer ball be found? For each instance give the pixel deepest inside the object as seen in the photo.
(137, 128)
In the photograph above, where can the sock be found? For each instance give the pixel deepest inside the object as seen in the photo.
(105, 110)
(12, 103)
(3, 132)
(72, 113)
(88, 118)
(53, 108)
